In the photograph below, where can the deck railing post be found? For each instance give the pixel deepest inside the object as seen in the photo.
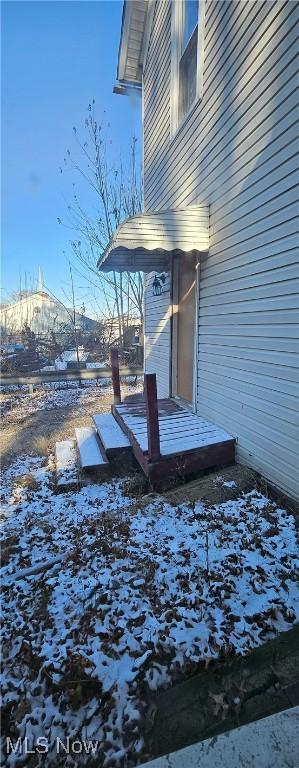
(152, 417)
(115, 375)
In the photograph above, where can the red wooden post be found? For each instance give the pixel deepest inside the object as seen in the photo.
(115, 376)
(152, 418)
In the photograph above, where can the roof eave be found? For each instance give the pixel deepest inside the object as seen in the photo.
(130, 9)
(127, 88)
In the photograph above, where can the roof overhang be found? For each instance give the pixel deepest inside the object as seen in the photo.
(133, 42)
(147, 242)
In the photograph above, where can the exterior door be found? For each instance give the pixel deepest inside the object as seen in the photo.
(184, 313)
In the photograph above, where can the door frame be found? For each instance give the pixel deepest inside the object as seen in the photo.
(173, 337)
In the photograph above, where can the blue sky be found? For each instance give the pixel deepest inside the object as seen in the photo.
(56, 57)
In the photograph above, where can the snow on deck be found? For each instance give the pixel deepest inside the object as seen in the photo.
(144, 590)
(180, 429)
(91, 454)
(110, 432)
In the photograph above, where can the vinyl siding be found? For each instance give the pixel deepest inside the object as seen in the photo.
(157, 312)
(236, 152)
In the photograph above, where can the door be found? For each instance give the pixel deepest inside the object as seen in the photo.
(184, 313)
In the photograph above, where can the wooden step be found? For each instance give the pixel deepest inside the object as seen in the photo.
(111, 434)
(92, 455)
(66, 464)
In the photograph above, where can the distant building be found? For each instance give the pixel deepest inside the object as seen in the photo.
(42, 314)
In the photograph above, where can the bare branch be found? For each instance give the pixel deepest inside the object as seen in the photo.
(117, 195)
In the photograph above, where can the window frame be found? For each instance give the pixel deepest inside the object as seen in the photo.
(176, 54)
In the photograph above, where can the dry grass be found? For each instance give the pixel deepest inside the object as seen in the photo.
(41, 445)
(136, 486)
(8, 548)
(27, 481)
(26, 430)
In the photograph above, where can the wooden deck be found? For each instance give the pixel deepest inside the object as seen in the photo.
(188, 443)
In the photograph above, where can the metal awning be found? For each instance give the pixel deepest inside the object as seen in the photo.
(146, 242)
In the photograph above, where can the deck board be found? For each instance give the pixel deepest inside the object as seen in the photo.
(91, 454)
(189, 443)
(175, 426)
(180, 430)
(166, 407)
(110, 433)
(175, 446)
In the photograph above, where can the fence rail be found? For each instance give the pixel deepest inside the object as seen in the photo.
(80, 374)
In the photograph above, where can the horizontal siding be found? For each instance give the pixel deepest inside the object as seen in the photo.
(157, 333)
(156, 86)
(237, 153)
(225, 115)
(239, 279)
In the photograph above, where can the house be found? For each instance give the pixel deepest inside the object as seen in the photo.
(43, 314)
(218, 237)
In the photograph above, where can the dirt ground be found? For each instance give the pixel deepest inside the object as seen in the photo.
(31, 424)
(210, 580)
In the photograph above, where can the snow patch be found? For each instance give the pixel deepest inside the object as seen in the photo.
(139, 596)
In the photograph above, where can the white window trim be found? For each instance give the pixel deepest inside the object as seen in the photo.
(176, 36)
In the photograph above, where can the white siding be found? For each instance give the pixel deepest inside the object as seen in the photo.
(157, 333)
(143, 242)
(237, 153)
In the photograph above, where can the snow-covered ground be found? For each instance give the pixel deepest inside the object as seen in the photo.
(16, 403)
(136, 592)
(70, 355)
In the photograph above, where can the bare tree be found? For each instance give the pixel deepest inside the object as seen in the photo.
(70, 325)
(73, 315)
(27, 286)
(116, 194)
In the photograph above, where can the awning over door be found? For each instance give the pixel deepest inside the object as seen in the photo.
(146, 242)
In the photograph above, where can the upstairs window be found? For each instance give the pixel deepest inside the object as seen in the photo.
(187, 57)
